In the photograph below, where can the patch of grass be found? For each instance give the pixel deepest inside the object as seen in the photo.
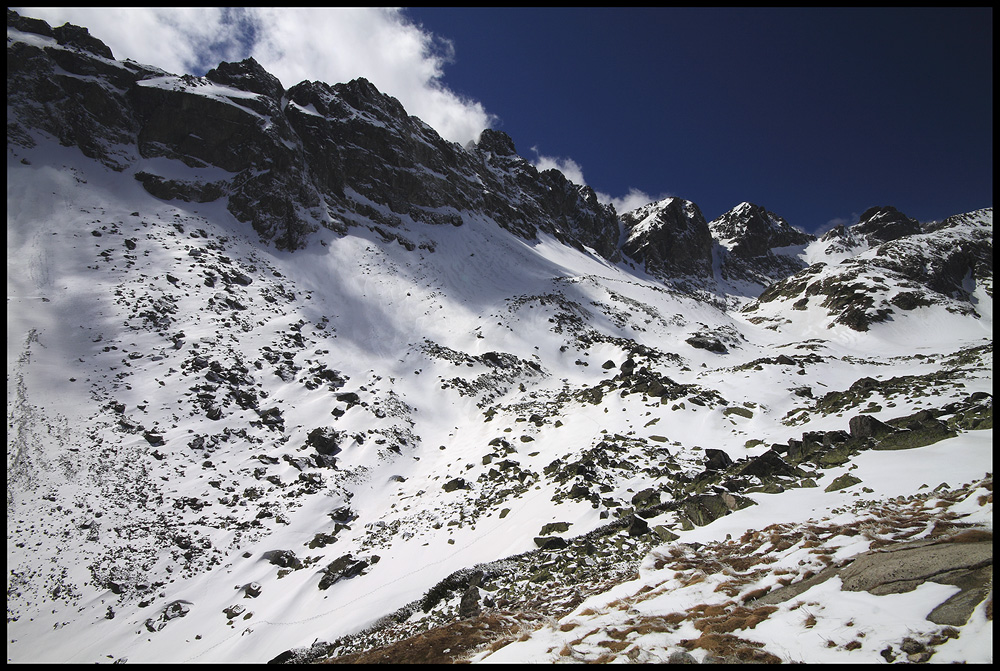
(731, 648)
(445, 644)
(614, 646)
(755, 594)
(739, 618)
(970, 536)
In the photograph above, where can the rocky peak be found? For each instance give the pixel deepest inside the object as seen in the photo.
(671, 237)
(28, 25)
(77, 36)
(751, 231)
(884, 223)
(362, 95)
(247, 75)
(66, 34)
(497, 142)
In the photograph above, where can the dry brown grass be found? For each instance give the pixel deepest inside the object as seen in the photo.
(442, 645)
(739, 618)
(614, 646)
(580, 640)
(755, 594)
(732, 648)
(971, 536)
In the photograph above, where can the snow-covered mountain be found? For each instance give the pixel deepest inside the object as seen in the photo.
(290, 377)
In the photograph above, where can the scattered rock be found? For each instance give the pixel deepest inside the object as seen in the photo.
(842, 482)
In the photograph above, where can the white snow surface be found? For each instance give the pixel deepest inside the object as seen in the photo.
(84, 492)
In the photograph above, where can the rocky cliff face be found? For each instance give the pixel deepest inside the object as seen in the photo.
(290, 161)
(885, 223)
(671, 238)
(760, 246)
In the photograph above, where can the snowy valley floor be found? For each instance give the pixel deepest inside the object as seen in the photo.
(762, 584)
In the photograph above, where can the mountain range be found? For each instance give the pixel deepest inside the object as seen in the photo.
(291, 378)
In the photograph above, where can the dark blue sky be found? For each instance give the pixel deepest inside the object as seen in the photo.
(814, 114)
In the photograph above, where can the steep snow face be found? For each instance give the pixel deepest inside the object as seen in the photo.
(185, 403)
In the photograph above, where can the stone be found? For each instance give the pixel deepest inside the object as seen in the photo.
(283, 558)
(554, 528)
(681, 657)
(638, 526)
(703, 509)
(903, 567)
(664, 533)
(342, 568)
(866, 426)
(646, 498)
(842, 482)
(454, 484)
(717, 460)
(920, 434)
(325, 440)
(550, 542)
(768, 465)
(234, 611)
(707, 343)
(469, 605)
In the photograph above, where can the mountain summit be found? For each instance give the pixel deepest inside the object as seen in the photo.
(291, 378)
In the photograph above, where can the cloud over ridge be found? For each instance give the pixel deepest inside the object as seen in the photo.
(332, 45)
(295, 44)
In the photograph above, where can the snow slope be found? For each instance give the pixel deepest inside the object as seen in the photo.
(167, 374)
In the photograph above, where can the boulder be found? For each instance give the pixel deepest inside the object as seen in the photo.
(554, 528)
(866, 426)
(704, 508)
(717, 460)
(455, 483)
(342, 568)
(646, 498)
(768, 465)
(550, 542)
(905, 566)
(325, 440)
(638, 526)
(920, 434)
(842, 482)
(707, 343)
(283, 558)
(469, 606)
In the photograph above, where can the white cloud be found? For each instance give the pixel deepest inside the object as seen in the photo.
(567, 166)
(574, 172)
(325, 44)
(633, 199)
